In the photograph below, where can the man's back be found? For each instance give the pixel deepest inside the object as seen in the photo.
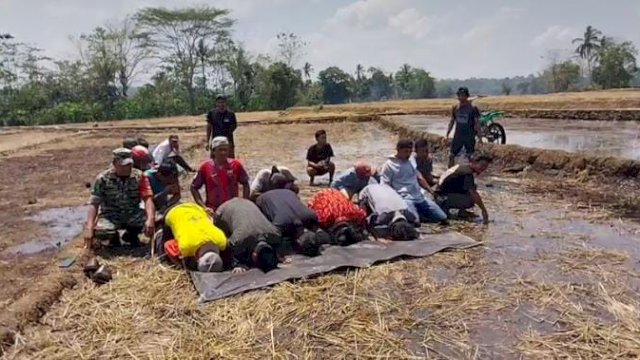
(382, 199)
(283, 208)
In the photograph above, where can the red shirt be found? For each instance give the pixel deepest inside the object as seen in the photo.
(220, 182)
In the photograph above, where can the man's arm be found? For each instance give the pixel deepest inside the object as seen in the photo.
(209, 129)
(234, 122)
(452, 121)
(196, 185)
(431, 180)
(182, 162)
(243, 179)
(90, 227)
(477, 125)
(387, 175)
(475, 196)
(423, 183)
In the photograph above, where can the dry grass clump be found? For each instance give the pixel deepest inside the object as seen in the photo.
(392, 310)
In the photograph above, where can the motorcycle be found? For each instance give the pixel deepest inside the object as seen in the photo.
(492, 130)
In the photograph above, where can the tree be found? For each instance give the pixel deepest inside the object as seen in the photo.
(290, 48)
(403, 80)
(421, 85)
(336, 85)
(523, 87)
(562, 76)
(243, 73)
(278, 85)
(588, 45)
(506, 88)
(307, 69)
(380, 85)
(617, 65)
(177, 34)
(130, 47)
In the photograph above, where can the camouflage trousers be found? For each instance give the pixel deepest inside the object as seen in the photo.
(109, 224)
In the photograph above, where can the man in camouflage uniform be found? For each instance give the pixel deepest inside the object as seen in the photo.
(115, 203)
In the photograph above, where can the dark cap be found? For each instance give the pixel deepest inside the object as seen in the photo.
(463, 90)
(221, 97)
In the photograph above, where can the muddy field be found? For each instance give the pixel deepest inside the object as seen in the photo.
(599, 138)
(556, 275)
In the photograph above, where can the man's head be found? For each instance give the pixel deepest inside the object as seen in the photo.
(141, 157)
(128, 142)
(321, 137)
(278, 181)
(421, 148)
(174, 141)
(221, 103)
(122, 162)
(363, 170)
(168, 172)
(402, 230)
(264, 257)
(480, 163)
(404, 149)
(208, 258)
(308, 244)
(346, 234)
(463, 94)
(142, 141)
(219, 148)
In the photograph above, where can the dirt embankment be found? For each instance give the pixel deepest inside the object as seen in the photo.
(536, 159)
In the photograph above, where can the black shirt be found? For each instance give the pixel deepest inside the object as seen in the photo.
(285, 210)
(317, 155)
(459, 180)
(466, 116)
(222, 124)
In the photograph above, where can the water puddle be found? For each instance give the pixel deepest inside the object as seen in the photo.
(604, 138)
(63, 224)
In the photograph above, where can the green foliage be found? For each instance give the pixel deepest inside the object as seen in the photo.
(562, 76)
(335, 85)
(617, 65)
(279, 85)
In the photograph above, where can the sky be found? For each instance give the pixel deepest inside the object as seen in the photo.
(451, 39)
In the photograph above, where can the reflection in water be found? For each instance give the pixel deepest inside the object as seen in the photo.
(597, 138)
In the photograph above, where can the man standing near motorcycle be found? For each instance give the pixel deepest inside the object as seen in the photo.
(466, 118)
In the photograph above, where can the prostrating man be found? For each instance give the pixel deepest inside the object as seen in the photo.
(389, 215)
(402, 176)
(319, 158)
(170, 148)
(252, 239)
(222, 122)
(263, 181)
(353, 180)
(199, 243)
(115, 203)
(466, 118)
(165, 185)
(423, 162)
(457, 188)
(294, 221)
(220, 177)
(337, 215)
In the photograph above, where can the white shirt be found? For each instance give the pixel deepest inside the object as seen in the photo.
(162, 151)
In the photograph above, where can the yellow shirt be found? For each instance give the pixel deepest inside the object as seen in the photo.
(192, 227)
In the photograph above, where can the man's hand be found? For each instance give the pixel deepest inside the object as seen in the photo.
(238, 270)
(485, 218)
(210, 211)
(149, 228)
(206, 147)
(89, 234)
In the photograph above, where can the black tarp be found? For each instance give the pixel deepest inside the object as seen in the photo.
(213, 286)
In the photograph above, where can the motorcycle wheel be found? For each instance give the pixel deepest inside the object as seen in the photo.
(496, 134)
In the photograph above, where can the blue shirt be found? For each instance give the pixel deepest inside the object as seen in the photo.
(156, 186)
(402, 176)
(350, 181)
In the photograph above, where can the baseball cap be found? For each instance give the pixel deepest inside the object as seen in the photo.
(363, 169)
(140, 153)
(463, 90)
(219, 141)
(122, 156)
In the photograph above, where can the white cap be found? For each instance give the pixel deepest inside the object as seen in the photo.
(210, 262)
(218, 141)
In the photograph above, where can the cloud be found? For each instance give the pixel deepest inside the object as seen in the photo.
(365, 14)
(411, 23)
(554, 35)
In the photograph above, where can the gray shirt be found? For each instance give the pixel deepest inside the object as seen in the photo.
(402, 176)
(385, 203)
(242, 221)
(465, 117)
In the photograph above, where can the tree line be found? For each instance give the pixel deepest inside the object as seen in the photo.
(185, 57)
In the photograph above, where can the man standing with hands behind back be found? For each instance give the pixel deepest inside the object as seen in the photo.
(222, 122)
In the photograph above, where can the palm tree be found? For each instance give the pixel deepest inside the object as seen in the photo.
(203, 53)
(307, 69)
(359, 72)
(588, 45)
